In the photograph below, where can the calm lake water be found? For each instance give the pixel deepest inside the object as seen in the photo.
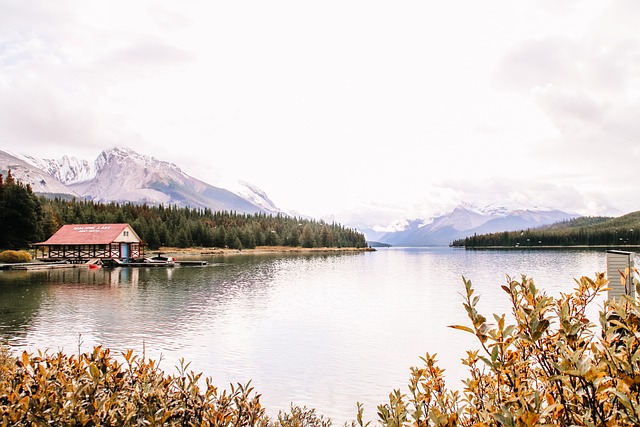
(325, 331)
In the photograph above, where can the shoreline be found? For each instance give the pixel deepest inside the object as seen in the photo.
(611, 247)
(259, 250)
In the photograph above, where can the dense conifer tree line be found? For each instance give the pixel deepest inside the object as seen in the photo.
(584, 231)
(183, 227)
(26, 218)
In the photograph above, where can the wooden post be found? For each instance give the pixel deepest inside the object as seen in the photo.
(618, 262)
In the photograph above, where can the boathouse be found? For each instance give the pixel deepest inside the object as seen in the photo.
(83, 242)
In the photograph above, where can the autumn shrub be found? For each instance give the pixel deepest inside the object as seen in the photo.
(549, 366)
(95, 389)
(11, 257)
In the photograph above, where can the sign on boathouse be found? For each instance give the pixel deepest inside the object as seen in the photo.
(82, 242)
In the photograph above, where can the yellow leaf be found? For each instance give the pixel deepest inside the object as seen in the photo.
(462, 328)
(549, 398)
(95, 372)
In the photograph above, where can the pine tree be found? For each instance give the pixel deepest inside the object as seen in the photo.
(308, 239)
(20, 215)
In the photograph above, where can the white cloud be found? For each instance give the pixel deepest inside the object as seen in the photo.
(571, 112)
(367, 111)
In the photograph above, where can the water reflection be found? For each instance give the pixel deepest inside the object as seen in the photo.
(323, 330)
(20, 300)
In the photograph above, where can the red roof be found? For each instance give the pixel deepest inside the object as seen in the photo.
(86, 234)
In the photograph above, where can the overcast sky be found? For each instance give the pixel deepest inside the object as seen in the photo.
(371, 110)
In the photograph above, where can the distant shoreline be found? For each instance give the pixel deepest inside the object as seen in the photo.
(257, 251)
(610, 247)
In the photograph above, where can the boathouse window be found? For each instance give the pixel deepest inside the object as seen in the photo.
(125, 233)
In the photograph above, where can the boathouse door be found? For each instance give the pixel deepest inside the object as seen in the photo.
(124, 251)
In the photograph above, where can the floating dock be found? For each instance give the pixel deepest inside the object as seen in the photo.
(190, 262)
(94, 264)
(38, 266)
(168, 264)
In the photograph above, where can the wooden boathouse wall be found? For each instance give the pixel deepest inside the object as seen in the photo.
(85, 252)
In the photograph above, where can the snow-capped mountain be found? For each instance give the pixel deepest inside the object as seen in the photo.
(122, 175)
(67, 170)
(253, 194)
(39, 180)
(466, 220)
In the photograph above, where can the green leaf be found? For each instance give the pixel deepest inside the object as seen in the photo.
(494, 354)
(508, 330)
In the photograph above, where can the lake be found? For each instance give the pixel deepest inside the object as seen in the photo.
(318, 330)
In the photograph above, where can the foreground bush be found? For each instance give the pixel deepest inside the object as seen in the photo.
(551, 366)
(11, 257)
(95, 389)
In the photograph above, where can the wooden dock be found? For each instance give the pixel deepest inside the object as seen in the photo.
(39, 265)
(94, 263)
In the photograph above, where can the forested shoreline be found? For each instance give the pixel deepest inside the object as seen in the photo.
(621, 231)
(27, 218)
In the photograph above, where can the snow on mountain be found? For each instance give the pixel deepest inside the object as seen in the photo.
(467, 219)
(68, 170)
(461, 219)
(39, 180)
(123, 175)
(253, 194)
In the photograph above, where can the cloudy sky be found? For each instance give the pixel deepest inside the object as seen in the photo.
(367, 110)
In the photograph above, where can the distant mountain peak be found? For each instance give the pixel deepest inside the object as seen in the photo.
(466, 219)
(67, 170)
(257, 196)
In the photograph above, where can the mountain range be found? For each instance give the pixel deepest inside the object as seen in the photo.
(123, 175)
(467, 220)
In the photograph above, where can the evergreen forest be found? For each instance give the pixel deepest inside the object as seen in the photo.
(620, 231)
(27, 218)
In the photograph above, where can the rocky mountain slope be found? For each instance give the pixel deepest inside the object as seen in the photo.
(122, 175)
(40, 180)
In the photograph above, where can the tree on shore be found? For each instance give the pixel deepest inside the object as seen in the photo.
(21, 217)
